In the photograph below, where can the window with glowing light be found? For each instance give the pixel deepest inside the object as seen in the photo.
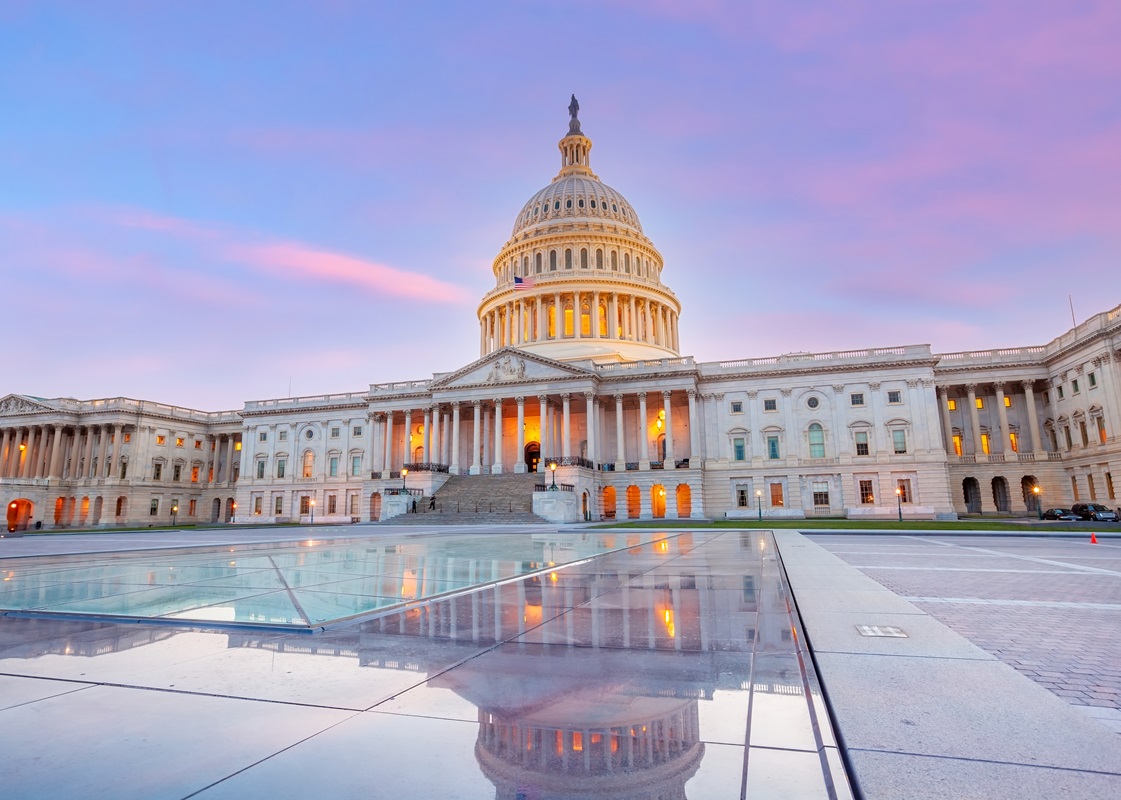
(776, 495)
(904, 487)
(867, 493)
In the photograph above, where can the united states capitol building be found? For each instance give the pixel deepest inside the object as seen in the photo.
(581, 406)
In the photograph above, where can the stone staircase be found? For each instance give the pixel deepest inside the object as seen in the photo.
(478, 500)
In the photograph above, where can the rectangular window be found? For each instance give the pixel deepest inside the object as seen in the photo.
(176, 472)
(260, 469)
(258, 502)
(284, 436)
(1091, 487)
(157, 472)
(280, 465)
(192, 507)
(856, 398)
(332, 501)
(1054, 441)
(354, 505)
(1074, 386)
(821, 494)
(355, 465)
(776, 495)
(154, 507)
(357, 431)
(952, 404)
(1074, 486)
(262, 436)
(899, 441)
(904, 487)
(741, 498)
(737, 407)
(957, 444)
(309, 464)
(1007, 401)
(1092, 378)
(867, 495)
(128, 436)
(1059, 392)
(980, 402)
(178, 441)
(124, 470)
(739, 451)
(237, 447)
(862, 443)
(1066, 433)
(195, 474)
(1101, 429)
(305, 504)
(772, 447)
(985, 443)
(334, 466)
(278, 505)
(1109, 486)
(770, 404)
(198, 444)
(334, 433)
(1014, 440)
(894, 397)
(160, 439)
(1082, 431)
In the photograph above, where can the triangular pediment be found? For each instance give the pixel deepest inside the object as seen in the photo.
(18, 404)
(510, 366)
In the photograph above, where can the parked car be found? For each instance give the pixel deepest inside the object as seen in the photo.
(1094, 511)
(1060, 513)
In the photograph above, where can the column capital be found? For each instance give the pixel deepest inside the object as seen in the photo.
(787, 391)
(838, 388)
(542, 398)
(1028, 386)
(720, 396)
(476, 403)
(589, 395)
(999, 386)
(641, 395)
(874, 386)
(618, 397)
(497, 402)
(912, 383)
(520, 400)
(665, 394)
(379, 417)
(565, 396)
(971, 388)
(692, 393)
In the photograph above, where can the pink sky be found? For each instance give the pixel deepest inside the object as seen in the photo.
(202, 204)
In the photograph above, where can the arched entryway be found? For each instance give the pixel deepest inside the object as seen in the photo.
(684, 500)
(658, 500)
(532, 456)
(19, 514)
(231, 507)
(83, 512)
(95, 516)
(122, 508)
(59, 508)
(216, 509)
(375, 506)
(585, 506)
(634, 502)
(1000, 494)
(972, 493)
(609, 502)
(1031, 497)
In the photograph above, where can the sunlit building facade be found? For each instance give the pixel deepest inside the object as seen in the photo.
(580, 367)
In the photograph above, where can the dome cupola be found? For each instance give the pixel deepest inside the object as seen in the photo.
(578, 278)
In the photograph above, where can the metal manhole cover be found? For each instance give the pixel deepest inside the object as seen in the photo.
(881, 630)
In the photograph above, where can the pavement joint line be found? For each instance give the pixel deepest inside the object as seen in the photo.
(1024, 603)
(976, 569)
(983, 761)
(1004, 554)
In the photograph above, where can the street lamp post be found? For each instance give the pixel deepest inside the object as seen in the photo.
(553, 467)
(312, 506)
(174, 511)
(1035, 490)
(899, 501)
(233, 512)
(759, 503)
(404, 474)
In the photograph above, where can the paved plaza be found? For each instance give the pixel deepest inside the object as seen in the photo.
(553, 663)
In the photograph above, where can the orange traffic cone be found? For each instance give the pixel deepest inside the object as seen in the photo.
(1093, 538)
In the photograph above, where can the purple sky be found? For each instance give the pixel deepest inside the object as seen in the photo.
(203, 202)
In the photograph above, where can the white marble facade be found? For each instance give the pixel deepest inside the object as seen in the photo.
(579, 366)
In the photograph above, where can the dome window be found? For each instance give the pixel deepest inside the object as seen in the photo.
(614, 208)
(535, 211)
(556, 205)
(593, 204)
(568, 203)
(580, 202)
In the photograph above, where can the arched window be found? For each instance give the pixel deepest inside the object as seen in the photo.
(309, 464)
(599, 259)
(614, 261)
(552, 261)
(817, 441)
(583, 258)
(537, 258)
(627, 263)
(567, 258)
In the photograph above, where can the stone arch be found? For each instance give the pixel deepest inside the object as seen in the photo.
(20, 512)
(658, 501)
(684, 501)
(1031, 499)
(231, 507)
(98, 503)
(59, 507)
(216, 509)
(121, 509)
(971, 492)
(634, 502)
(83, 511)
(609, 500)
(1001, 500)
(375, 506)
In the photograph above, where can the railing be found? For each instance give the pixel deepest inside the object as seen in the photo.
(657, 363)
(1017, 353)
(1025, 456)
(425, 466)
(569, 461)
(399, 386)
(1054, 456)
(681, 463)
(816, 462)
(657, 465)
(996, 458)
(308, 400)
(836, 355)
(632, 466)
(967, 459)
(397, 490)
(607, 466)
(560, 487)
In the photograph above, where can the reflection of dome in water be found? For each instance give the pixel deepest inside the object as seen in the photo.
(578, 278)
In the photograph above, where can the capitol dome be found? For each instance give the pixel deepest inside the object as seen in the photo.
(578, 278)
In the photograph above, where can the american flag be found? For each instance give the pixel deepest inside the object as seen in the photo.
(523, 283)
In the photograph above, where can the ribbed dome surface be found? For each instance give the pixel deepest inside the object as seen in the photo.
(576, 197)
